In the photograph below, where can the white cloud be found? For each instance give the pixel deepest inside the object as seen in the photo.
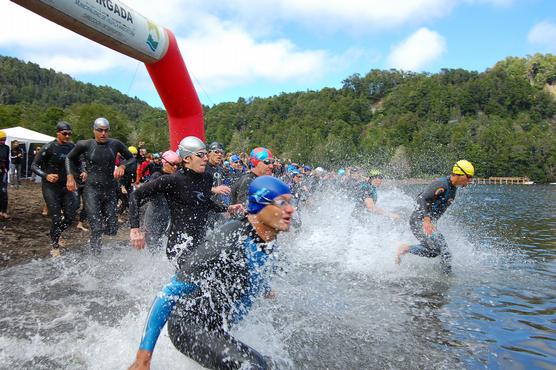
(418, 50)
(221, 55)
(318, 15)
(543, 33)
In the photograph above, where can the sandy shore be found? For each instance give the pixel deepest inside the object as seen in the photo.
(25, 235)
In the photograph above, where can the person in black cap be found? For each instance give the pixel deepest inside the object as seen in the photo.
(49, 164)
(101, 186)
(220, 191)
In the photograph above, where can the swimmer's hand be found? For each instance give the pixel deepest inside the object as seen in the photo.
(137, 238)
(221, 190)
(428, 226)
(142, 360)
(119, 172)
(71, 184)
(395, 216)
(236, 209)
(271, 294)
(52, 177)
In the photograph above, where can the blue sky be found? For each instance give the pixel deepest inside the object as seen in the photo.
(244, 48)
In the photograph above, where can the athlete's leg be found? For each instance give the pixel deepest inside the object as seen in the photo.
(92, 198)
(110, 203)
(3, 191)
(52, 195)
(70, 203)
(213, 349)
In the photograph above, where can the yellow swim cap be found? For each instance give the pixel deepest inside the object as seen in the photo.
(132, 150)
(463, 167)
(2, 134)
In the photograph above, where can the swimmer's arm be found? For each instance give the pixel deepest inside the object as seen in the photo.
(160, 185)
(427, 198)
(72, 159)
(38, 162)
(160, 311)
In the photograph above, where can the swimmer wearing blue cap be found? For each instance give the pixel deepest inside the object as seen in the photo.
(217, 286)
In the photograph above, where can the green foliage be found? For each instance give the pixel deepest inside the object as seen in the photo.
(410, 124)
(37, 98)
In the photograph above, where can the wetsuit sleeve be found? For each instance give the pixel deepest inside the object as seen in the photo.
(217, 207)
(161, 185)
(427, 198)
(129, 158)
(72, 159)
(38, 161)
(161, 309)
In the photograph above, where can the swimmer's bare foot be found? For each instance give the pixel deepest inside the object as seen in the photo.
(402, 249)
(81, 227)
(55, 252)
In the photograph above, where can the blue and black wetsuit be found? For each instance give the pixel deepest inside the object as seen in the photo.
(100, 193)
(189, 199)
(212, 291)
(51, 159)
(432, 202)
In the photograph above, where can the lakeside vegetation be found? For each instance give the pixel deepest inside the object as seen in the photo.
(412, 124)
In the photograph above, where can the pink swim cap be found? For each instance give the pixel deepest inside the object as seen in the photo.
(171, 157)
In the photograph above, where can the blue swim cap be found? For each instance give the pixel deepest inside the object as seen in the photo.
(307, 168)
(235, 158)
(341, 172)
(262, 192)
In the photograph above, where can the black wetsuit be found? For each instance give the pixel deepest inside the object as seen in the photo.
(61, 203)
(189, 199)
(101, 189)
(156, 218)
(212, 291)
(218, 177)
(4, 168)
(432, 202)
(127, 181)
(241, 188)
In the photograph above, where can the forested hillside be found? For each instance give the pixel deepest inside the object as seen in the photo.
(413, 124)
(37, 98)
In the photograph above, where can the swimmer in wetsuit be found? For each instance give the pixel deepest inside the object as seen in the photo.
(432, 203)
(50, 165)
(366, 196)
(100, 192)
(188, 193)
(217, 285)
(157, 215)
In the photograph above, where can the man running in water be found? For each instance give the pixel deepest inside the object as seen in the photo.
(262, 163)
(221, 192)
(366, 196)
(157, 214)
(217, 286)
(188, 192)
(432, 203)
(101, 186)
(50, 165)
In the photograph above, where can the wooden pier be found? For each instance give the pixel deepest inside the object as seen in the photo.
(503, 180)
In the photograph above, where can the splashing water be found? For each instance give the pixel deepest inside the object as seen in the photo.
(341, 301)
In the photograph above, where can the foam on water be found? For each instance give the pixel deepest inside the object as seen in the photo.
(341, 300)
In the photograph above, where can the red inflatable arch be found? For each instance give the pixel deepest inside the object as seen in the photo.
(117, 26)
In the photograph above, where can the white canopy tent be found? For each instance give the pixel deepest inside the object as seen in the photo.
(26, 137)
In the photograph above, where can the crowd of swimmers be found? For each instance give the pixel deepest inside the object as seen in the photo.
(216, 216)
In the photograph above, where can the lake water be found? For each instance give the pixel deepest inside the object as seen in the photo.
(342, 302)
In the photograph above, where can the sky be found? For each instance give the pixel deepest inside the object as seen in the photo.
(260, 48)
